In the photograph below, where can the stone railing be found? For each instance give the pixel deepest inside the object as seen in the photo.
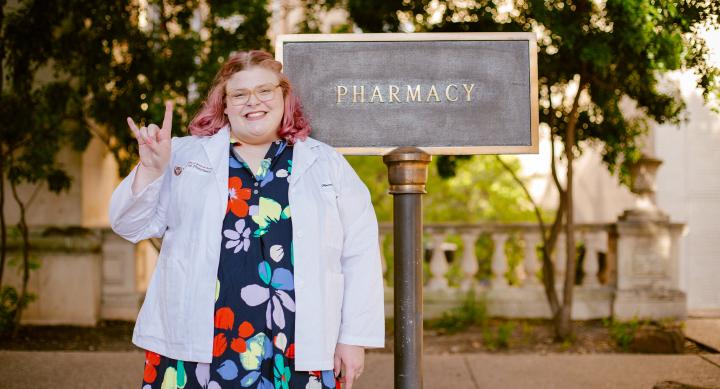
(626, 269)
(511, 284)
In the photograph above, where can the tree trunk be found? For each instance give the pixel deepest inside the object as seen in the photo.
(563, 328)
(548, 241)
(3, 227)
(22, 225)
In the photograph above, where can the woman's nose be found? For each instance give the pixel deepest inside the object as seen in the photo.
(250, 101)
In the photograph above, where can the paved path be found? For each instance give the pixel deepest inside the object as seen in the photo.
(705, 331)
(22, 369)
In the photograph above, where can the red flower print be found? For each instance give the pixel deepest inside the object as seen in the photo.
(219, 345)
(151, 360)
(290, 352)
(150, 373)
(244, 331)
(237, 197)
(224, 318)
(238, 345)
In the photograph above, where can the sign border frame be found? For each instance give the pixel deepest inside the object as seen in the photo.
(533, 148)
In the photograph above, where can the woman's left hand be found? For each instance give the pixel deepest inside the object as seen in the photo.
(351, 360)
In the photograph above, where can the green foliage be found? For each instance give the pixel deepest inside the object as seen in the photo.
(500, 339)
(472, 312)
(622, 332)
(126, 58)
(481, 190)
(9, 304)
(612, 49)
(38, 116)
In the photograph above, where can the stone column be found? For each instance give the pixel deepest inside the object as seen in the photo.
(438, 263)
(647, 255)
(499, 261)
(590, 263)
(469, 263)
(120, 298)
(532, 264)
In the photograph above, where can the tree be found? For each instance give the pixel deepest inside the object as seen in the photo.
(126, 58)
(455, 199)
(106, 61)
(591, 56)
(37, 119)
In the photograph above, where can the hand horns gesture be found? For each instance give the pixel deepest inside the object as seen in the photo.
(154, 141)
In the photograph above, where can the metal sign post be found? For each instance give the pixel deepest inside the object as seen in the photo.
(407, 96)
(407, 173)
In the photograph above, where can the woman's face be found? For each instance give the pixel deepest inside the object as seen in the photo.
(254, 105)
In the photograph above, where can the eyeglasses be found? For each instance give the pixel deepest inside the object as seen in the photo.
(264, 92)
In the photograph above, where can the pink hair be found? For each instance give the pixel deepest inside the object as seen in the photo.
(211, 116)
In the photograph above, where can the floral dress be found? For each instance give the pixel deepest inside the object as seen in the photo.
(254, 345)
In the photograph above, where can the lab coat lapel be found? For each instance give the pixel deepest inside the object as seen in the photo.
(217, 148)
(304, 155)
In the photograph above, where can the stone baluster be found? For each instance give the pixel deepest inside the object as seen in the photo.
(438, 263)
(383, 261)
(591, 264)
(560, 259)
(499, 261)
(532, 264)
(469, 264)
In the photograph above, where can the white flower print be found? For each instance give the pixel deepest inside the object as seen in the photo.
(239, 238)
(277, 253)
(313, 383)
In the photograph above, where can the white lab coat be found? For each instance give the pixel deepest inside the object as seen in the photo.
(337, 272)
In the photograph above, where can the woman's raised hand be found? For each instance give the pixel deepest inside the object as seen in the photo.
(154, 142)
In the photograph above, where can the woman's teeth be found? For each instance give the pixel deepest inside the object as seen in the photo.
(254, 115)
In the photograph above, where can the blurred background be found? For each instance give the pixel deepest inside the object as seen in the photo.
(634, 82)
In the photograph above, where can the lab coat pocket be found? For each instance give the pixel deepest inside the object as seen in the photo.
(173, 298)
(334, 291)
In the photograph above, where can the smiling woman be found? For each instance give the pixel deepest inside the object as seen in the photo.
(296, 296)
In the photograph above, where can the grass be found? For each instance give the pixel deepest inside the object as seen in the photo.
(472, 312)
(623, 332)
(500, 339)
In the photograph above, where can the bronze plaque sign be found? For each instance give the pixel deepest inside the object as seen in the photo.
(447, 93)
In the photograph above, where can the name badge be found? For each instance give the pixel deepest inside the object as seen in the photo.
(198, 166)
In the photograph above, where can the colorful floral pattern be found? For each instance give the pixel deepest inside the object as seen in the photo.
(253, 344)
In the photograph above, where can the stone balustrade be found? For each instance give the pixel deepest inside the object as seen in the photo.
(625, 269)
(511, 282)
(592, 238)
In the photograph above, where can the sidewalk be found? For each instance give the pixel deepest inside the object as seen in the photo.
(704, 330)
(22, 369)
